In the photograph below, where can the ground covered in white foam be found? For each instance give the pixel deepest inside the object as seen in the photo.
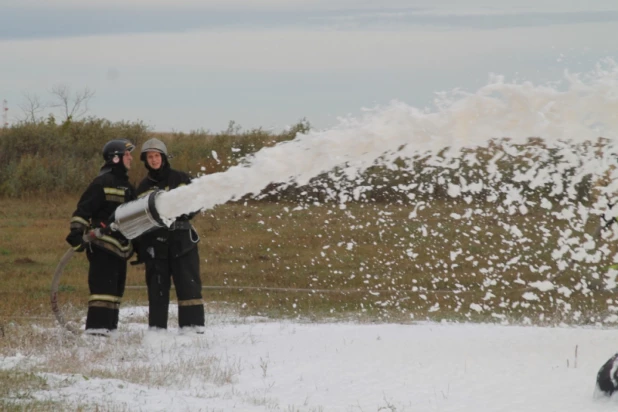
(254, 364)
(263, 365)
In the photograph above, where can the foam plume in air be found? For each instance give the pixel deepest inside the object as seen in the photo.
(579, 108)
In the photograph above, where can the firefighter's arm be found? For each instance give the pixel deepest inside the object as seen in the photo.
(80, 220)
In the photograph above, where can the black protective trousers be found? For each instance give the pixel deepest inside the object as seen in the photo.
(184, 271)
(107, 276)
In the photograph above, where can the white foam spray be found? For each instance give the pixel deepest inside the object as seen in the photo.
(576, 109)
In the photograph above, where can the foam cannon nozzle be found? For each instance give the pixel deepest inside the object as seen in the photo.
(136, 217)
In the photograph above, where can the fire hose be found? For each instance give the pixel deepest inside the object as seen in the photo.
(130, 219)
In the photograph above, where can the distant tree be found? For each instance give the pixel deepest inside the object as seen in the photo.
(32, 107)
(72, 106)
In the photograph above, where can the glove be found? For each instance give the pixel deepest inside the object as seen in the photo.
(75, 238)
(138, 259)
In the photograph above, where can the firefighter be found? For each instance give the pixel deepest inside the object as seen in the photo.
(170, 253)
(108, 254)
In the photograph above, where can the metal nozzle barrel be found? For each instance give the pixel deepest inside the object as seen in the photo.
(136, 217)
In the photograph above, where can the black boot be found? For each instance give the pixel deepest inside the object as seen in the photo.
(190, 316)
(99, 321)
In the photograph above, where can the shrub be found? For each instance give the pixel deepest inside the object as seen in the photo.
(39, 158)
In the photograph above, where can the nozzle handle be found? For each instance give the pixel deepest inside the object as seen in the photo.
(97, 233)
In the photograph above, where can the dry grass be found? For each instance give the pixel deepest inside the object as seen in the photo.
(368, 261)
(49, 359)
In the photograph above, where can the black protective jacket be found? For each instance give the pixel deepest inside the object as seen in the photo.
(180, 238)
(96, 208)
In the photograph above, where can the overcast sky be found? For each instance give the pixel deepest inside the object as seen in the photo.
(186, 64)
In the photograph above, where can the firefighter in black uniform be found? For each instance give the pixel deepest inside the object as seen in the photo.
(108, 254)
(170, 253)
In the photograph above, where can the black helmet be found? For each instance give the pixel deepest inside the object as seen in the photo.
(116, 147)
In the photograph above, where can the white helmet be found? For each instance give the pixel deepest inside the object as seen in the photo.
(153, 145)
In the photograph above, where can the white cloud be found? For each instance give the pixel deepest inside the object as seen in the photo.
(303, 50)
(266, 77)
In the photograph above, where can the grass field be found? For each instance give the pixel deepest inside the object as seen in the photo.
(378, 262)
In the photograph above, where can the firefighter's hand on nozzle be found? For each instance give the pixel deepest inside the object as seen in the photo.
(79, 239)
(76, 240)
(138, 259)
(81, 247)
(92, 234)
(96, 233)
